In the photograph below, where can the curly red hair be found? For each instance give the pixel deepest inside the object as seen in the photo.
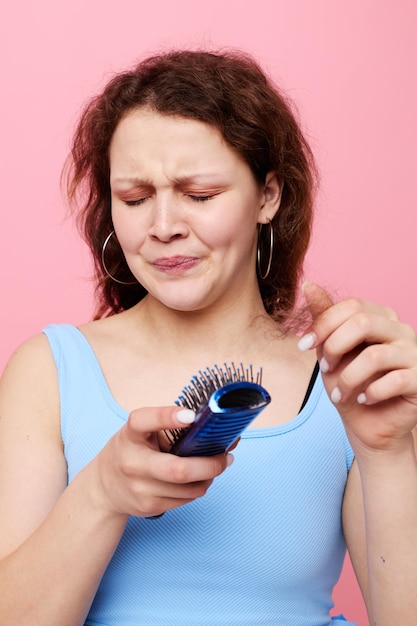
(229, 91)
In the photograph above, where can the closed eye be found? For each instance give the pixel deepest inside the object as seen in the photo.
(201, 198)
(136, 202)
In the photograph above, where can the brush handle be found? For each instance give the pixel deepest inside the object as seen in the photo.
(221, 420)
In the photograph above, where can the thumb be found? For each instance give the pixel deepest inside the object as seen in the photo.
(317, 299)
(145, 423)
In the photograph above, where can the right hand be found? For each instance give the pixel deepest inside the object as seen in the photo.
(138, 478)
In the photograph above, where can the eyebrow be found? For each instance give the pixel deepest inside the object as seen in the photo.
(131, 180)
(197, 178)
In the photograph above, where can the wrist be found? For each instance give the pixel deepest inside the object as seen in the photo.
(396, 455)
(96, 493)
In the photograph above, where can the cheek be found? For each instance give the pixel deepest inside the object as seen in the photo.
(238, 226)
(131, 241)
(129, 232)
(234, 222)
(230, 239)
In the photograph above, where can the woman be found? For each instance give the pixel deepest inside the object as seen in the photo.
(194, 187)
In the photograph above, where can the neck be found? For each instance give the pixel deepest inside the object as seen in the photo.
(233, 329)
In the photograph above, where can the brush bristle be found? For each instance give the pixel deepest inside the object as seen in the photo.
(197, 393)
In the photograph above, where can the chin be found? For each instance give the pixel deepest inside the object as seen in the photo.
(190, 298)
(186, 304)
(185, 307)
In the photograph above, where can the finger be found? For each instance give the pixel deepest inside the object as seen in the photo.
(401, 382)
(160, 481)
(359, 330)
(172, 483)
(158, 507)
(334, 316)
(145, 421)
(317, 299)
(170, 468)
(176, 491)
(371, 364)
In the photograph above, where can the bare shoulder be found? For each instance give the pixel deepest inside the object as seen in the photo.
(33, 351)
(32, 464)
(30, 375)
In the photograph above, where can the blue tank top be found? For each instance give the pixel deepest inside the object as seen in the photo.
(264, 546)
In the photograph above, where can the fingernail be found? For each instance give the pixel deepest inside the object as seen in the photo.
(336, 395)
(361, 399)
(304, 285)
(229, 459)
(185, 416)
(324, 365)
(307, 342)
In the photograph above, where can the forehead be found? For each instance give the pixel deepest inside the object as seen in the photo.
(145, 138)
(151, 126)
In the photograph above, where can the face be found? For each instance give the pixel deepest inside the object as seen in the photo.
(185, 209)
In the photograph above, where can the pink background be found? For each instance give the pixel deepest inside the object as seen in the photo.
(351, 68)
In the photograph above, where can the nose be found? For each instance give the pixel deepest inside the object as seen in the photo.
(168, 219)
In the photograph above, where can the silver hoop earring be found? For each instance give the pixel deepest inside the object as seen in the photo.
(116, 280)
(271, 250)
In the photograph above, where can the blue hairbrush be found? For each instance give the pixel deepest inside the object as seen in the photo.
(226, 400)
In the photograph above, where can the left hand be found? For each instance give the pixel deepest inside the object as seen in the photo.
(368, 360)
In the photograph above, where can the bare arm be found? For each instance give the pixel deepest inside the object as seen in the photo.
(56, 541)
(55, 545)
(369, 364)
(381, 538)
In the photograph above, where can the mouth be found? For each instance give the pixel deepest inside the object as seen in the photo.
(175, 264)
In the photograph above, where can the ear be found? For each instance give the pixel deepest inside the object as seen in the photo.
(271, 195)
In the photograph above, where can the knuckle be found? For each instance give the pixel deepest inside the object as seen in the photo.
(330, 349)
(362, 321)
(147, 506)
(178, 470)
(128, 466)
(410, 333)
(133, 417)
(345, 383)
(400, 378)
(374, 355)
(354, 305)
(391, 313)
(133, 421)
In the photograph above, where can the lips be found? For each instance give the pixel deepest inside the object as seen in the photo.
(175, 264)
